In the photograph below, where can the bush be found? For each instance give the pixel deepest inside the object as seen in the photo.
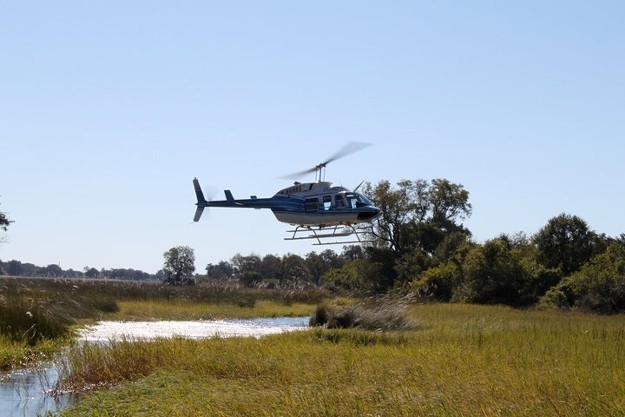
(321, 316)
(437, 283)
(599, 286)
(367, 316)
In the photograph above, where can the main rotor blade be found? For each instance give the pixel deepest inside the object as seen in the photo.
(348, 149)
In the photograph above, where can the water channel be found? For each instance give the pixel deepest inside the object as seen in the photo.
(26, 392)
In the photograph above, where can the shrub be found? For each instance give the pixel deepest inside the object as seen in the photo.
(599, 286)
(437, 283)
(321, 316)
(368, 316)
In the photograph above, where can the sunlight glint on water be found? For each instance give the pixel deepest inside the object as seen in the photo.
(23, 393)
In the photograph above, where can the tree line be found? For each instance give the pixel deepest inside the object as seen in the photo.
(422, 249)
(25, 269)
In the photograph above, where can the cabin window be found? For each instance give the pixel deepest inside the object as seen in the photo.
(352, 200)
(339, 202)
(327, 202)
(311, 204)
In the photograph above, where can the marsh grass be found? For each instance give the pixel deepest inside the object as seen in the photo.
(460, 361)
(37, 313)
(184, 309)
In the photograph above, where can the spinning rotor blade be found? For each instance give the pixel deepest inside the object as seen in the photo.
(348, 149)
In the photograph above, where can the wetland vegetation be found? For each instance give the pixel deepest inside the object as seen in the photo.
(456, 360)
(429, 359)
(424, 322)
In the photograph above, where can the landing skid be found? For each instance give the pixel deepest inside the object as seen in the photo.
(322, 233)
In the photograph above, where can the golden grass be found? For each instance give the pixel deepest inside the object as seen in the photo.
(460, 361)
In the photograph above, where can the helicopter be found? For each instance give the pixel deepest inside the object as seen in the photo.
(319, 210)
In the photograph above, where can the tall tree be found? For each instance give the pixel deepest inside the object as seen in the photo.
(565, 242)
(417, 213)
(408, 204)
(179, 265)
(449, 203)
(246, 269)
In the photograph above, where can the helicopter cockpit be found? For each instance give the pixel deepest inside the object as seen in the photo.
(351, 200)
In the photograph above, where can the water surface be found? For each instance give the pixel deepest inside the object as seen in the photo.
(112, 330)
(26, 392)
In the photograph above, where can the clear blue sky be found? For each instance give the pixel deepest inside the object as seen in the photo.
(109, 109)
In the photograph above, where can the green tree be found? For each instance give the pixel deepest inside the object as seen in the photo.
(400, 207)
(91, 272)
(417, 213)
(417, 217)
(4, 222)
(318, 264)
(222, 271)
(565, 243)
(598, 286)
(293, 269)
(53, 270)
(250, 278)
(441, 279)
(246, 269)
(354, 277)
(179, 265)
(495, 273)
(271, 267)
(15, 268)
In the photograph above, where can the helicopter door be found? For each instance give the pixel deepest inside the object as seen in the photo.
(339, 201)
(327, 202)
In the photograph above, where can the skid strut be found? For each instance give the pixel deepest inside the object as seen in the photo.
(329, 232)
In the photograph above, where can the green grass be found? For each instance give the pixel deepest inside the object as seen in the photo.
(460, 360)
(134, 310)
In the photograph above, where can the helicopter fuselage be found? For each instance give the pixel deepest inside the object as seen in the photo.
(318, 204)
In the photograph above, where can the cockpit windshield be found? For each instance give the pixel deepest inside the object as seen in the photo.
(356, 200)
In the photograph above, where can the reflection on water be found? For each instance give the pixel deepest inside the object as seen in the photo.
(25, 393)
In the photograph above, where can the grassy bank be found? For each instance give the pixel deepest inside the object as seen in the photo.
(458, 361)
(37, 315)
(134, 310)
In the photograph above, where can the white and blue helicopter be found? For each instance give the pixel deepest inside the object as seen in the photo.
(319, 210)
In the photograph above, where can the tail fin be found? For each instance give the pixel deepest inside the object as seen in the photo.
(201, 201)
